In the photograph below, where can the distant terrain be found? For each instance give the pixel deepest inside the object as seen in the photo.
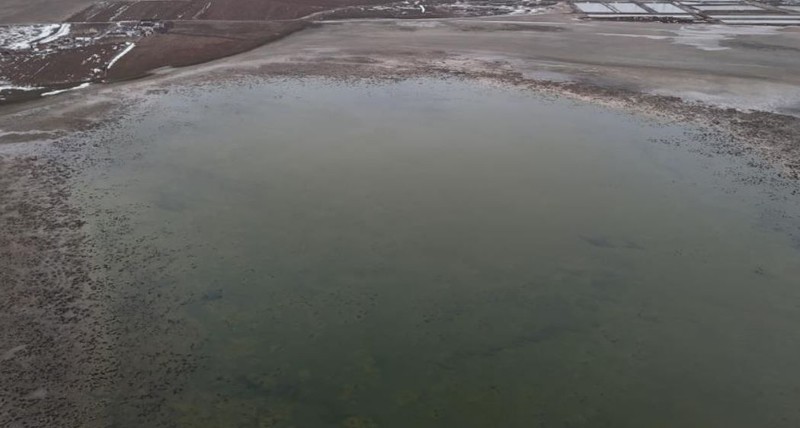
(46, 50)
(49, 47)
(26, 11)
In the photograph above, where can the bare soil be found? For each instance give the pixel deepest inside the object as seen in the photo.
(218, 10)
(190, 43)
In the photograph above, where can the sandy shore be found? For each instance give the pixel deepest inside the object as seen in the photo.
(55, 334)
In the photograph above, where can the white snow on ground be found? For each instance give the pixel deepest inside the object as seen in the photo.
(63, 31)
(23, 37)
(202, 11)
(18, 88)
(121, 54)
(7, 86)
(15, 133)
(119, 12)
(61, 91)
(493, 8)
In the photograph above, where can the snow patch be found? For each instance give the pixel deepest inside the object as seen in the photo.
(202, 11)
(61, 91)
(24, 37)
(63, 31)
(7, 86)
(522, 10)
(119, 12)
(121, 54)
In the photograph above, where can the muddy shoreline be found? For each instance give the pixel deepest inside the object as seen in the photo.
(74, 314)
(770, 136)
(55, 347)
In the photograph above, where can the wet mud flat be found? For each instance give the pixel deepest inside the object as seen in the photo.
(54, 346)
(71, 320)
(408, 239)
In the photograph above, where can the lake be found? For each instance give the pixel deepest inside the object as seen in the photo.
(425, 253)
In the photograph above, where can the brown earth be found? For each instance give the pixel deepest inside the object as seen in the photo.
(224, 10)
(60, 67)
(189, 43)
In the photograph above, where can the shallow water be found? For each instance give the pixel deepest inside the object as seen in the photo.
(436, 254)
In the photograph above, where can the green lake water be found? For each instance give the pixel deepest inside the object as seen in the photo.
(442, 254)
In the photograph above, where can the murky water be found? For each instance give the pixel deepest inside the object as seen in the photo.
(429, 254)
